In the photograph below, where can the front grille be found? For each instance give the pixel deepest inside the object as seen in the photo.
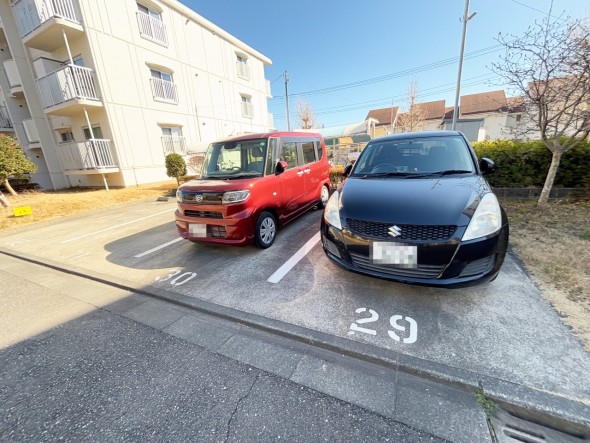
(209, 198)
(203, 214)
(408, 232)
(422, 271)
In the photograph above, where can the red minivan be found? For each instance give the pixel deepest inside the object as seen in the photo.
(251, 185)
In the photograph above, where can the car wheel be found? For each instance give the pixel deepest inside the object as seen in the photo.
(266, 230)
(324, 197)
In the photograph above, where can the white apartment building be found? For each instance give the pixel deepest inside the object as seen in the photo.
(98, 92)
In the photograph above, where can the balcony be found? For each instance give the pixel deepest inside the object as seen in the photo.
(152, 29)
(271, 121)
(67, 90)
(174, 144)
(164, 90)
(5, 123)
(40, 22)
(14, 81)
(92, 156)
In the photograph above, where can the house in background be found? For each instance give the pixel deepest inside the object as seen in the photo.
(99, 92)
(426, 116)
(386, 118)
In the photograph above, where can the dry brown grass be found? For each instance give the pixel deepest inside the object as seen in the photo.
(554, 243)
(55, 204)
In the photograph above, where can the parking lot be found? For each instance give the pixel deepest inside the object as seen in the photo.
(504, 329)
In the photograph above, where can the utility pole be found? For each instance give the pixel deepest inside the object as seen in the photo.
(466, 18)
(287, 100)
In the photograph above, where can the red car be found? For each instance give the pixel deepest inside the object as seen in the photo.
(251, 185)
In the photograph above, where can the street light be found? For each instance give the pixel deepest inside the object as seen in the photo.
(466, 18)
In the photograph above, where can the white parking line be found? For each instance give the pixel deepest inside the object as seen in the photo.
(157, 248)
(114, 227)
(289, 264)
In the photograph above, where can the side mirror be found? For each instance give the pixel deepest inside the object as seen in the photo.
(486, 166)
(281, 166)
(347, 170)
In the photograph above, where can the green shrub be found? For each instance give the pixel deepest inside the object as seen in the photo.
(525, 164)
(175, 166)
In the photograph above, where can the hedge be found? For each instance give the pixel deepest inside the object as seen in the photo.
(525, 164)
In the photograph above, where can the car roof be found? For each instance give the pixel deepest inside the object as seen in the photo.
(418, 134)
(266, 135)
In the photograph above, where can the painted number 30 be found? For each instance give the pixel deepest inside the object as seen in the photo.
(178, 279)
(397, 322)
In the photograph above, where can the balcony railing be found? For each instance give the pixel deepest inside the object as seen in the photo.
(164, 90)
(174, 144)
(243, 70)
(247, 110)
(90, 154)
(30, 14)
(151, 28)
(4, 119)
(68, 83)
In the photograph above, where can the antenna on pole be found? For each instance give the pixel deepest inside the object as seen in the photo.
(287, 100)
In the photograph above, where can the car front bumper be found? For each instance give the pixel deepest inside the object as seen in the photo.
(450, 264)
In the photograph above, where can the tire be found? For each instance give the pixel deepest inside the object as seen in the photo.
(324, 197)
(266, 230)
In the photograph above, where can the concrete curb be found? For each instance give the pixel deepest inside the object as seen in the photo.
(551, 409)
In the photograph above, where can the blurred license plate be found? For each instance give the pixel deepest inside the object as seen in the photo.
(197, 230)
(397, 254)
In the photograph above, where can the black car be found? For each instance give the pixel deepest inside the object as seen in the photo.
(415, 208)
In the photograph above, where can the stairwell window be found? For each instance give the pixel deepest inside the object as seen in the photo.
(151, 26)
(163, 87)
(247, 109)
(242, 66)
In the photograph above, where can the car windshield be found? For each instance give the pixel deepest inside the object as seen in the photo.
(235, 159)
(415, 157)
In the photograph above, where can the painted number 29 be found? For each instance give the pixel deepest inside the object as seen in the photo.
(406, 325)
(178, 279)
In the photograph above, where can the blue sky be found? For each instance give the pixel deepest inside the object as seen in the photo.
(346, 58)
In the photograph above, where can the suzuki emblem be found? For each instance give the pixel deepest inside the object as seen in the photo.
(198, 198)
(394, 231)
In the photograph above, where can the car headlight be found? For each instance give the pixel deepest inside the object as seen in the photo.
(235, 196)
(332, 211)
(486, 220)
(179, 195)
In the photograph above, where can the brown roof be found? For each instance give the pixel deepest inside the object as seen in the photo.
(492, 101)
(449, 111)
(515, 104)
(384, 115)
(432, 110)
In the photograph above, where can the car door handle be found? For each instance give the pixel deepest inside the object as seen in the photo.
(299, 173)
(307, 171)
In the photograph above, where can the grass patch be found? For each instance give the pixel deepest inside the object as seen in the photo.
(488, 405)
(48, 205)
(552, 242)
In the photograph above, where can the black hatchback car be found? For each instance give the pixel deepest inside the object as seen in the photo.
(415, 208)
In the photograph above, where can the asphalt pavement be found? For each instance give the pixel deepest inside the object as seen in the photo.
(82, 361)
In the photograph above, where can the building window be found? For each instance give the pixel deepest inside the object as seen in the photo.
(66, 136)
(242, 66)
(247, 109)
(163, 87)
(173, 142)
(96, 131)
(151, 26)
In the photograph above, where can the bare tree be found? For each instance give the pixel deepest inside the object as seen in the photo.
(414, 115)
(305, 115)
(549, 66)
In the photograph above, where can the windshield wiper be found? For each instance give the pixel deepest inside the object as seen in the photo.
(441, 173)
(386, 174)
